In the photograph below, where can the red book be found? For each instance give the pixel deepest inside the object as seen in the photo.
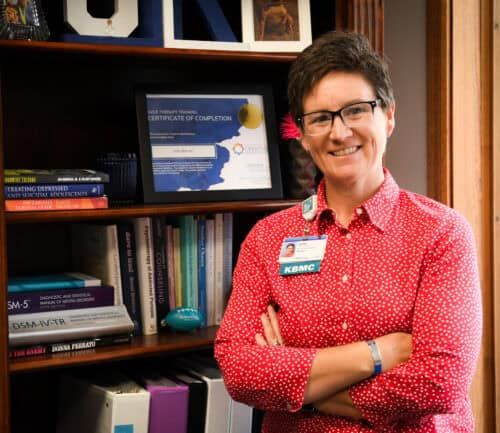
(56, 204)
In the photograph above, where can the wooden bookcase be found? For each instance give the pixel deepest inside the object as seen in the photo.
(61, 104)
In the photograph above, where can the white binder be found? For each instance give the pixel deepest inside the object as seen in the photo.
(110, 404)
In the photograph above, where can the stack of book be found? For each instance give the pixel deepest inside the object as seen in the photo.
(63, 312)
(56, 189)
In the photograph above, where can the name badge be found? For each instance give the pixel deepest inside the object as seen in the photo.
(302, 255)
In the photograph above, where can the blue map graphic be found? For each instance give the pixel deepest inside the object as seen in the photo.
(188, 122)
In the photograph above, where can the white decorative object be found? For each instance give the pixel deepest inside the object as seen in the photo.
(169, 40)
(122, 23)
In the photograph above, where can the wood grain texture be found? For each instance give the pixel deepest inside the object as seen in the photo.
(362, 16)
(471, 170)
(495, 94)
(438, 100)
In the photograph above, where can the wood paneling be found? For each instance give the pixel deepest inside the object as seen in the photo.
(495, 94)
(471, 169)
(362, 16)
(438, 100)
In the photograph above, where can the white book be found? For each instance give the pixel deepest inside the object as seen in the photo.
(55, 326)
(95, 251)
(210, 271)
(102, 405)
(219, 267)
(146, 273)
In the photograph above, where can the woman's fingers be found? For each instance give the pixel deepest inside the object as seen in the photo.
(268, 330)
(260, 340)
(273, 319)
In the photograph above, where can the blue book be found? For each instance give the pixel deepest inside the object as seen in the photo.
(128, 271)
(64, 280)
(202, 271)
(68, 190)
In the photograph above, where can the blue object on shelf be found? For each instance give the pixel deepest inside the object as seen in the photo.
(148, 33)
(184, 319)
(216, 22)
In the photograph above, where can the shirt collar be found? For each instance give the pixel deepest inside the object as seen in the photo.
(378, 207)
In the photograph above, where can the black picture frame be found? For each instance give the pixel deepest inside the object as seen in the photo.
(161, 128)
(23, 19)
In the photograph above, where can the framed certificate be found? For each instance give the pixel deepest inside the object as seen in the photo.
(208, 144)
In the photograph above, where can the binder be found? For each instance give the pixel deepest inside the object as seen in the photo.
(197, 403)
(110, 403)
(223, 414)
(168, 405)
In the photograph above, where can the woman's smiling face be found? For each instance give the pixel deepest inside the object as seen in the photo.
(348, 157)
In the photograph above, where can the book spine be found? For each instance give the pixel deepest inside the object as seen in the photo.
(54, 191)
(227, 264)
(65, 299)
(188, 261)
(67, 280)
(57, 326)
(179, 301)
(44, 178)
(169, 236)
(161, 278)
(113, 257)
(145, 268)
(128, 270)
(69, 346)
(218, 266)
(24, 205)
(202, 276)
(210, 271)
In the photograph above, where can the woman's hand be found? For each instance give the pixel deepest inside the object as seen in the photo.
(272, 335)
(339, 404)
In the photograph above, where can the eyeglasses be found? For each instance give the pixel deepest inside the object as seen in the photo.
(353, 115)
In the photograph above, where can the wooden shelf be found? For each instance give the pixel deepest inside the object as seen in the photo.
(147, 210)
(42, 47)
(138, 347)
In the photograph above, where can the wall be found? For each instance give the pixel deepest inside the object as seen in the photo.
(404, 39)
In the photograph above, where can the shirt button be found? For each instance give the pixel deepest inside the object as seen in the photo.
(348, 236)
(359, 211)
(344, 326)
(345, 278)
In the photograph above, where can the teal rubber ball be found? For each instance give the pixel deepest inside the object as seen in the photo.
(184, 319)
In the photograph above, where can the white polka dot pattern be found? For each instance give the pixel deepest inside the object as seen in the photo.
(405, 263)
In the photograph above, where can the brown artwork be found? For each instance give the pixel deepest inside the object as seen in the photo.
(276, 20)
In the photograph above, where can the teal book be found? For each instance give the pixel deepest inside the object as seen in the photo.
(189, 261)
(64, 280)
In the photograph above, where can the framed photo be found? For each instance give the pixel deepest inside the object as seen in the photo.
(173, 36)
(22, 19)
(212, 143)
(276, 25)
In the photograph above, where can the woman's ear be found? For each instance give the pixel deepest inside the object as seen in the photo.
(304, 143)
(391, 119)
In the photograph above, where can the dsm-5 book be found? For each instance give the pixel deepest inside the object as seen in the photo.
(60, 299)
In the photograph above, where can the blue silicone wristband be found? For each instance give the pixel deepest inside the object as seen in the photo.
(377, 360)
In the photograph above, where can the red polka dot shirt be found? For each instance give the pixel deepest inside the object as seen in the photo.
(405, 263)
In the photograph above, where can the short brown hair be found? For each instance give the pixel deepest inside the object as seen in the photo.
(337, 51)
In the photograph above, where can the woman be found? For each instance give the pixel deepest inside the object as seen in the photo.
(379, 327)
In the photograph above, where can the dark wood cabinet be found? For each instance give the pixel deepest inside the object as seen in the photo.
(63, 104)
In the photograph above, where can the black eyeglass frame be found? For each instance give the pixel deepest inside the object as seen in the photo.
(334, 114)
